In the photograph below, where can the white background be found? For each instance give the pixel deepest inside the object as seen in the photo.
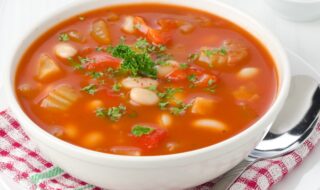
(303, 38)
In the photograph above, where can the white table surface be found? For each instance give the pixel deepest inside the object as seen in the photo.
(303, 38)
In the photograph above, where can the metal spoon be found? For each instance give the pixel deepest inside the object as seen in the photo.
(304, 96)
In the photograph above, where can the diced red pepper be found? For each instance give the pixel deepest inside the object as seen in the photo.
(177, 75)
(152, 140)
(157, 37)
(99, 61)
(204, 80)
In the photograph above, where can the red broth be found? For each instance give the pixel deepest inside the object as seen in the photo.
(146, 80)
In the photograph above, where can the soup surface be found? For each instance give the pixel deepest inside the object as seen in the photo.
(145, 80)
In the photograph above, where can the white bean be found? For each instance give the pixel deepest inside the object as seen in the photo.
(144, 96)
(210, 123)
(128, 24)
(65, 50)
(248, 72)
(131, 82)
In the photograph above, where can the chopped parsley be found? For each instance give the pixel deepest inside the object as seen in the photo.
(75, 64)
(169, 92)
(94, 74)
(192, 78)
(84, 60)
(99, 48)
(140, 130)
(220, 51)
(211, 82)
(192, 57)
(211, 89)
(90, 89)
(116, 87)
(113, 113)
(137, 64)
(211, 86)
(143, 45)
(163, 105)
(183, 66)
(180, 109)
(63, 37)
(152, 88)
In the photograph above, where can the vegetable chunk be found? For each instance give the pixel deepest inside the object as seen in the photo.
(47, 68)
(202, 106)
(100, 32)
(60, 98)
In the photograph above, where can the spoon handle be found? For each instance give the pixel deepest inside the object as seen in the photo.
(232, 175)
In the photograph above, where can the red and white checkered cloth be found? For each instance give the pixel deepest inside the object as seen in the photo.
(22, 161)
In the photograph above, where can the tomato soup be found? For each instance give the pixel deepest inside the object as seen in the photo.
(146, 79)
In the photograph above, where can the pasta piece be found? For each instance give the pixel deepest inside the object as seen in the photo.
(47, 68)
(60, 98)
(100, 32)
(202, 106)
(210, 124)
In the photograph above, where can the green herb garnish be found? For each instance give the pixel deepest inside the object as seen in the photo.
(99, 48)
(183, 66)
(192, 57)
(137, 64)
(152, 88)
(139, 130)
(90, 89)
(211, 89)
(63, 37)
(84, 60)
(180, 109)
(94, 74)
(169, 92)
(163, 105)
(192, 78)
(116, 87)
(75, 64)
(113, 113)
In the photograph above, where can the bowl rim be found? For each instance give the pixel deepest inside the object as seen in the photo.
(54, 142)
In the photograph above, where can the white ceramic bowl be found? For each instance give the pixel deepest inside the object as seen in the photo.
(176, 171)
(296, 10)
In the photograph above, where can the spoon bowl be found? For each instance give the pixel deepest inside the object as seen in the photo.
(275, 143)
